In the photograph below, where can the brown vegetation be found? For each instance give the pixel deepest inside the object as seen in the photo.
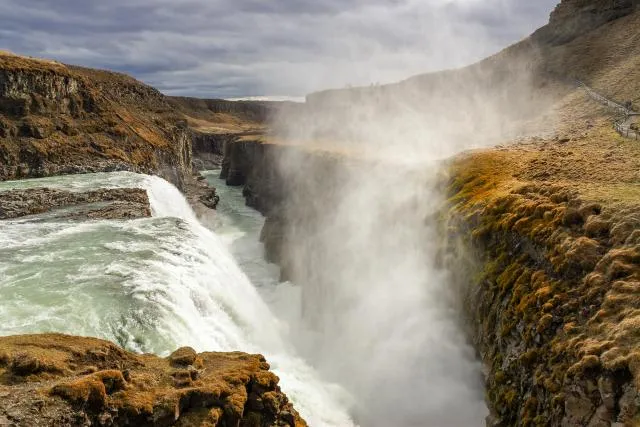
(61, 380)
(549, 230)
(554, 225)
(58, 119)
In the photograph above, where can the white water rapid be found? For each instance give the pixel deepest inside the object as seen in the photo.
(151, 285)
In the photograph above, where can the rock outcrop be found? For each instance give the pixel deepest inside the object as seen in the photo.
(54, 380)
(572, 18)
(208, 149)
(544, 240)
(59, 119)
(117, 203)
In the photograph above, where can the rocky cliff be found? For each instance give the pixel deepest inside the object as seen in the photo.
(208, 149)
(48, 380)
(256, 167)
(572, 18)
(57, 119)
(548, 233)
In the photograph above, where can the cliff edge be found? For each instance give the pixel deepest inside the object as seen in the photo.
(54, 379)
(60, 119)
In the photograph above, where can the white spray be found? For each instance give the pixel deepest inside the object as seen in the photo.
(152, 285)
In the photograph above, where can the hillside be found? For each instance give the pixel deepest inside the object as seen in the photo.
(222, 116)
(552, 225)
(57, 119)
(528, 89)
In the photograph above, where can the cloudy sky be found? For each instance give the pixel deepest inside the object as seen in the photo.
(233, 48)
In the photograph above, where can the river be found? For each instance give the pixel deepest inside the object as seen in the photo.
(159, 283)
(392, 356)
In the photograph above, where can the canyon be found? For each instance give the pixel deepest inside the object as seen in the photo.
(504, 183)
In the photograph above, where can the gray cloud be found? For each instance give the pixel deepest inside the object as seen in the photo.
(228, 48)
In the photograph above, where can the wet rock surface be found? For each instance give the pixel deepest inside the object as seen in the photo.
(59, 380)
(202, 197)
(117, 203)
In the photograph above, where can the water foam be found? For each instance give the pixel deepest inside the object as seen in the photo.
(151, 285)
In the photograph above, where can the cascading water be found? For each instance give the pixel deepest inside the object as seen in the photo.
(375, 312)
(364, 244)
(151, 285)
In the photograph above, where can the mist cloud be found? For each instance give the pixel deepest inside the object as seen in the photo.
(227, 48)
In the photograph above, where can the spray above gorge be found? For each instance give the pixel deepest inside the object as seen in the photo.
(366, 231)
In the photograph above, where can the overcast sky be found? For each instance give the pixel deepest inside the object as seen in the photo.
(233, 48)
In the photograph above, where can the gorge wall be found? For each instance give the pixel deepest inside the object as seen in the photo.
(208, 149)
(58, 119)
(273, 190)
(550, 275)
(547, 274)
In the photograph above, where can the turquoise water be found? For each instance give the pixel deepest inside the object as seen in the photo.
(155, 284)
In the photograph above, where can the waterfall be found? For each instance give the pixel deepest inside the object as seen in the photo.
(151, 285)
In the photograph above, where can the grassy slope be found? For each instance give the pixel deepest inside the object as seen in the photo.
(573, 201)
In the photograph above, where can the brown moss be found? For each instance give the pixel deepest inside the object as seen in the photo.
(184, 356)
(91, 390)
(136, 388)
(553, 286)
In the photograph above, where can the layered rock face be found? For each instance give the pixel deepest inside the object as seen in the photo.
(117, 203)
(53, 379)
(256, 166)
(58, 119)
(208, 149)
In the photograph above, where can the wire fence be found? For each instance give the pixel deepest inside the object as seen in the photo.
(624, 125)
(624, 129)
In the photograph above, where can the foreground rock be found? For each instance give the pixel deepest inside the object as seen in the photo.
(48, 380)
(103, 203)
